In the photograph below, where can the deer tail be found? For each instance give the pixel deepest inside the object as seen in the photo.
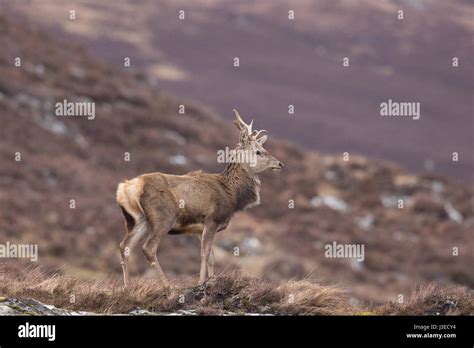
(128, 197)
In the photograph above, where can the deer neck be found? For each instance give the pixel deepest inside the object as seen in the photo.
(242, 187)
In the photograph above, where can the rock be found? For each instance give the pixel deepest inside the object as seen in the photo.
(428, 204)
(140, 311)
(405, 180)
(326, 189)
(6, 310)
(15, 306)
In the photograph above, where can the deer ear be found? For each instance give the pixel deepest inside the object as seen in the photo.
(262, 139)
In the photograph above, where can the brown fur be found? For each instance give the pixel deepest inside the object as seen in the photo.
(198, 203)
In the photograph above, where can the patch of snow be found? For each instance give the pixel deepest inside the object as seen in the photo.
(177, 138)
(178, 160)
(330, 175)
(53, 125)
(251, 245)
(356, 265)
(258, 314)
(81, 141)
(28, 100)
(140, 311)
(365, 222)
(90, 230)
(391, 201)
(37, 69)
(331, 202)
(182, 312)
(77, 72)
(437, 187)
(453, 213)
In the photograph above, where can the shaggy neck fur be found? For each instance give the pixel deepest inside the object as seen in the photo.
(242, 187)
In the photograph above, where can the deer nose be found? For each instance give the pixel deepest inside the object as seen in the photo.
(280, 164)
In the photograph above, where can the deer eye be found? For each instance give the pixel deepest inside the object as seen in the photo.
(258, 153)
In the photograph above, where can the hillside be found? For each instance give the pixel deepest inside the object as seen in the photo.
(75, 158)
(299, 62)
(35, 293)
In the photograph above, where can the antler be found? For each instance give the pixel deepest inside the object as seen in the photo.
(239, 123)
(246, 133)
(257, 133)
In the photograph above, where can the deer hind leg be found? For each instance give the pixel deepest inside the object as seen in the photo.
(135, 232)
(149, 250)
(161, 216)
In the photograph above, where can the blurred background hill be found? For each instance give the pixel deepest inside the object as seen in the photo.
(299, 62)
(282, 63)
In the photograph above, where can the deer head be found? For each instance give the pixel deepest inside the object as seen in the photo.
(251, 143)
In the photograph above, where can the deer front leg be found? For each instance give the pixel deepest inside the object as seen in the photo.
(210, 264)
(206, 247)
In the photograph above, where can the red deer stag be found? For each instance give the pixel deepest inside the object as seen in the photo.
(199, 203)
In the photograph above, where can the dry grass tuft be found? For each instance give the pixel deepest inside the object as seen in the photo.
(230, 292)
(303, 297)
(433, 300)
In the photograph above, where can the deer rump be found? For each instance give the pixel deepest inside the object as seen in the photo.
(128, 197)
